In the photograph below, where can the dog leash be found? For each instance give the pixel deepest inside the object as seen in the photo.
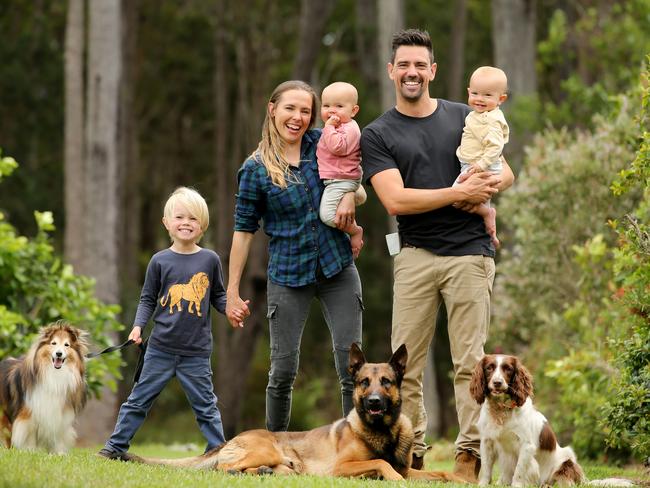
(110, 349)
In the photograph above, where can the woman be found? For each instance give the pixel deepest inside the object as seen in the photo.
(279, 183)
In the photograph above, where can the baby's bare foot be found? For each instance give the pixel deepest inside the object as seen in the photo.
(356, 242)
(491, 226)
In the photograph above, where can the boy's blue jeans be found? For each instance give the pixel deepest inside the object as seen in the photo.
(195, 376)
(288, 308)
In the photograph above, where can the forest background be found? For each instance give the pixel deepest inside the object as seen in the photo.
(109, 105)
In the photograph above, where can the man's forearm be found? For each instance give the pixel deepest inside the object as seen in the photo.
(398, 200)
(415, 201)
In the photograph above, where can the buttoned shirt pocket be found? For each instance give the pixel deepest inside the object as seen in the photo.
(287, 202)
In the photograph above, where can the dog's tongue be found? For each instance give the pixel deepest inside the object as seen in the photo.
(58, 362)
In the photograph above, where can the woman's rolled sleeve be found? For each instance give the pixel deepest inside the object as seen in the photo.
(249, 199)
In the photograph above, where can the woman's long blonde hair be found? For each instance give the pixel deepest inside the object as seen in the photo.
(271, 147)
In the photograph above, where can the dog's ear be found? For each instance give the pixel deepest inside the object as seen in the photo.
(83, 339)
(398, 362)
(521, 386)
(357, 359)
(478, 384)
(45, 333)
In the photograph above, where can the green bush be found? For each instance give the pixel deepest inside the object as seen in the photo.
(561, 200)
(606, 386)
(584, 376)
(583, 379)
(37, 288)
(582, 41)
(555, 280)
(628, 410)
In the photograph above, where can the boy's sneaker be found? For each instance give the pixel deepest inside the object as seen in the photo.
(108, 454)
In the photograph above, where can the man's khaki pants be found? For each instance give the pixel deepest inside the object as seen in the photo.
(422, 280)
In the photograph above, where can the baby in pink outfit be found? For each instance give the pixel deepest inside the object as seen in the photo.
(339, 155)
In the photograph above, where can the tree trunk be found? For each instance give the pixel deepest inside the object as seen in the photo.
(513, 35)
(390, 19)
(455, 81)
(365, 39)
(130, 244)
(103, 155)
(242, 92)
(225, 168)
(515, 49)
(74, 142)
(313, 18)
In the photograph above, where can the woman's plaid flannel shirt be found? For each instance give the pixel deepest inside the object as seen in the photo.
(300, 242)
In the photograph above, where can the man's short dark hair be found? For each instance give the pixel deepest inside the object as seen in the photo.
(411, 37)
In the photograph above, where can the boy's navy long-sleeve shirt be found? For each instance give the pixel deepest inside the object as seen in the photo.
(178, 290)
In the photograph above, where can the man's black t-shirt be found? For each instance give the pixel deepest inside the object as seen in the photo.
(424, 151)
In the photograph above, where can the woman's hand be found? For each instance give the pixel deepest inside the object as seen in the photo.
(345, 211)
(236, 308)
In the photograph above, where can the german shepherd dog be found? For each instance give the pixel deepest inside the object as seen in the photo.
(375, 440)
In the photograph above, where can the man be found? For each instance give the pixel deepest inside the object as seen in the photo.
(409, 157)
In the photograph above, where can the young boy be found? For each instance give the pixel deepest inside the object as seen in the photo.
(181, 283)
(486, 132)
(339, 155)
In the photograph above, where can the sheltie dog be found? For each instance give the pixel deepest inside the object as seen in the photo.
(42, 392)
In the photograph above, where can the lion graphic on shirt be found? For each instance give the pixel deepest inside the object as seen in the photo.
(192, 292)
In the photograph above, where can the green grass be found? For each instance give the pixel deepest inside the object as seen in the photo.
(81, 468)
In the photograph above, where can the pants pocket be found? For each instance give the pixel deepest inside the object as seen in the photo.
(489, 267)
(360, 300)
(271, 316)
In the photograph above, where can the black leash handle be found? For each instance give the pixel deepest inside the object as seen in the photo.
(110, 349)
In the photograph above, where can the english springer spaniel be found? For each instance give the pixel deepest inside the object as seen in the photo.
(513, 431)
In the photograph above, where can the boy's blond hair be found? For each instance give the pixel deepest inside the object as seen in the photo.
(193, 201)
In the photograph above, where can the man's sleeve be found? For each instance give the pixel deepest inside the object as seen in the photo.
(375, 156)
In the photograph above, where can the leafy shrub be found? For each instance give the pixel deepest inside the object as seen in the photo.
(561, 200)
(581, 41)
(606, 385)
(555, 281)
(584, 380)
(628, 410)
(584, 376)
(37, 288)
